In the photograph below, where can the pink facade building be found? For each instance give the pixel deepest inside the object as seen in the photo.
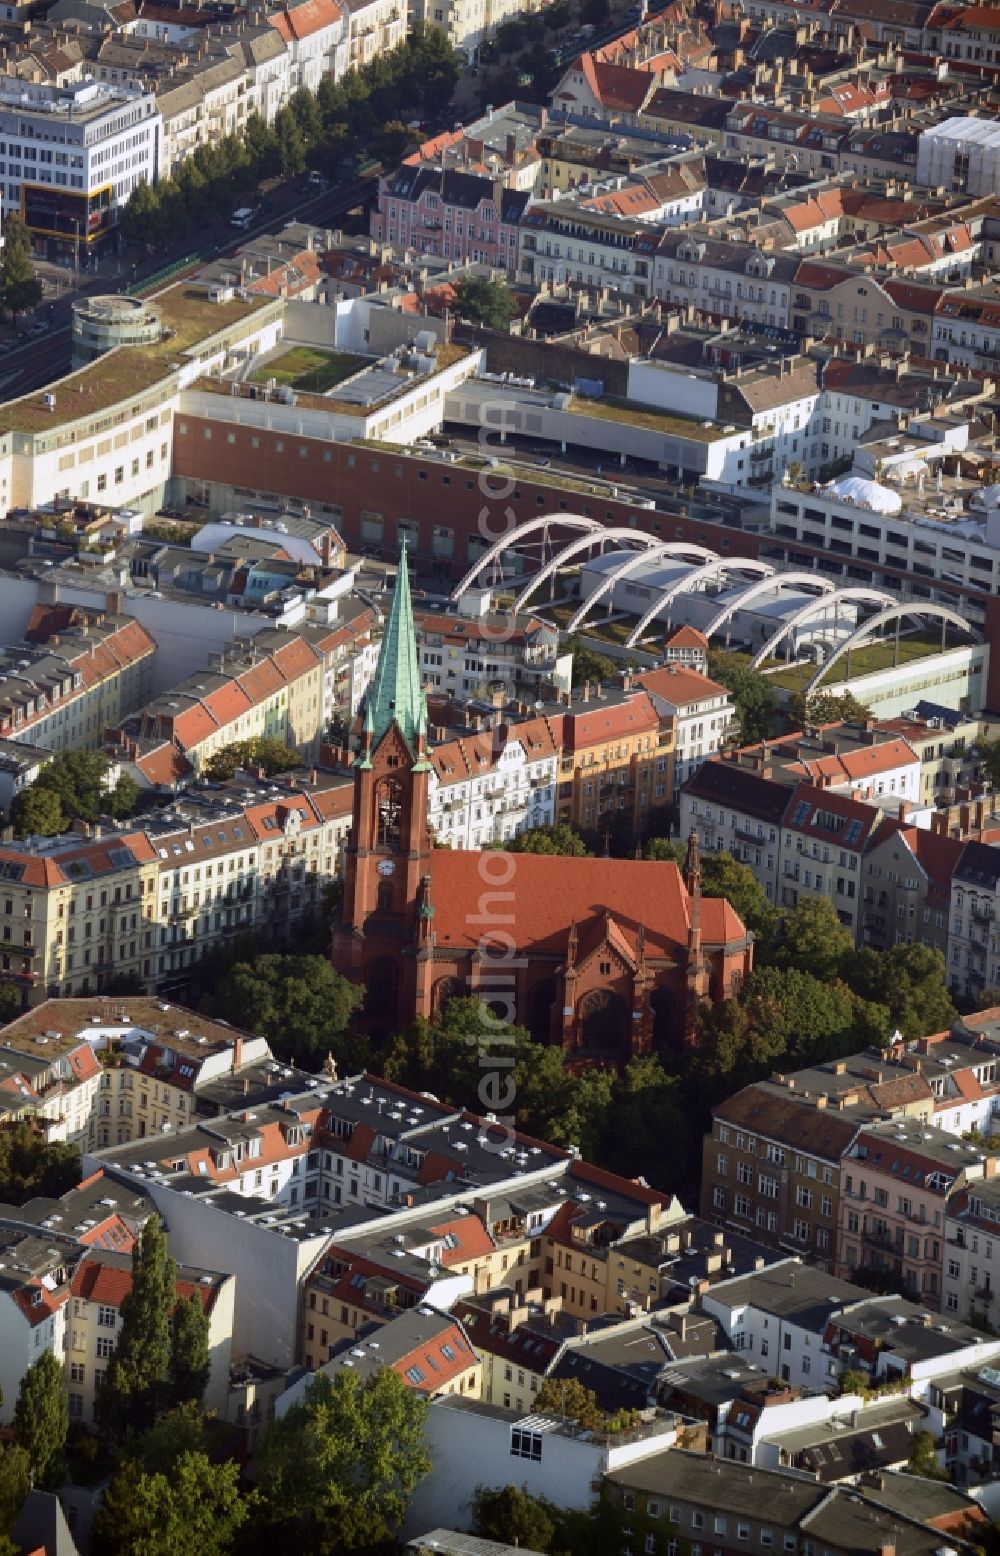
(894, 1185)
(459, 216)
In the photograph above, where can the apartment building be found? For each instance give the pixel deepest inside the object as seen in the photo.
(147, 901)
(427, 1349)
(99, 1284)
(137, 1067)
(617, 757)
(973, 934)
(896, 1180)
(274, 685)
(77, 672)
(906, 883)
(472, 655)
(699, 710)
(73, 155)
(771, 1168)
(374, 27)
(516, 1343)
(970, 1280)
(459, 215)
(572, 243)
(487, 786)
(315, 33)
(730, 280)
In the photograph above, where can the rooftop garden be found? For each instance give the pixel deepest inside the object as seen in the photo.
(611, 409)
(309, 369)
(866, 660)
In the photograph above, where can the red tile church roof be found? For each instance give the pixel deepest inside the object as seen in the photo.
(544, 893)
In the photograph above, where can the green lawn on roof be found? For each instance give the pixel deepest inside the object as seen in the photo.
(311, 370)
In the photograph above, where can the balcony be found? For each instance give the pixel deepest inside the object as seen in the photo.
(984, 1294)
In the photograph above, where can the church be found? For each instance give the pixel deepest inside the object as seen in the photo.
(608, 958)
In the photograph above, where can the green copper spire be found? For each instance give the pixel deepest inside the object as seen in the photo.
(395, 692)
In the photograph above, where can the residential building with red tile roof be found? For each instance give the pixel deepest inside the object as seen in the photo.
(100, 1282)
(77, 672)
(700, 711)
(148, 900)
(274, 686)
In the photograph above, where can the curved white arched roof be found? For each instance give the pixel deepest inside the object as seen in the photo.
(866, 493)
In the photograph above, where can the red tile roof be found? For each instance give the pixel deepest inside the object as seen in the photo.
(549, 892)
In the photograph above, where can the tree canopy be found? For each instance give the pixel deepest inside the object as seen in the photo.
(196, 1507)
(512, 1516)
(136, 1382)
(337, 1471)
(299, 1003)
(73, 786)
(29, 1166)
(20, 288)
(488, 303)
(556, 838)
(262, 751)
(41, 1418)
(825, 708)
(753, 694)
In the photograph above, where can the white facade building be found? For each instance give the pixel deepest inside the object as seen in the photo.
(479, 795)
(961, 154)
(72, 156)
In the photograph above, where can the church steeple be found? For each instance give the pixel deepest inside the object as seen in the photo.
(396, 694)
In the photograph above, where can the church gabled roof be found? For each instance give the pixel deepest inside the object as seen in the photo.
(396, 694)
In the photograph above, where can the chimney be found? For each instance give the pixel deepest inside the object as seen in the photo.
(237, 1054)
(904, 809)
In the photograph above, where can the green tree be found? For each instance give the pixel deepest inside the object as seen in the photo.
(41, 1418)
(812, 938)
(123, 798)
(512, 1516)
(262, 147)
(665, 852)
(140, 220)
(989, 760)
(488, 303)
(197, 1507)
(20, 288)
(15, 1483)
(923, 1458)
(298, 1002)
(571, 1401)
(189, 1355)
(291, 142)
(753, 694)
(556, 838)
(825, 708)
(394, 141)
(337, 1471)
(30, 1167)
(588, 665)
(259, 751)
(724, 876)
(910, 981)
(36, 812)
(136, 1382)
(851, 1381)
(178, 1431)
(307, 114)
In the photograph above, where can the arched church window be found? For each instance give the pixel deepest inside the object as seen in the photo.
(389, 813)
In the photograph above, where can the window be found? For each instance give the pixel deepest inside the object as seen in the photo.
(525, 1445)
(107, 1317)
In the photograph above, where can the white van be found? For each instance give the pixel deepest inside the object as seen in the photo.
(243, 217)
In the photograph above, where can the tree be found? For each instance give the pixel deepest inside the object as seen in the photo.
(20, 288)
(307, 113)
(665, 852)
(813, 938)
(337, 1471)
(488, 303)
(36, 812)
(588, 665)
(197, 1507)
(513, 1517)
(753, 694)
(29, 1166)
(923, 1458)
(189, 1357)
(178, 1431)
(910, 981)
(568, 1399)
(291, 142)
(852, 1381)
(78, 781)
(41, 1417)
(556, 838)
(136, 1382)
(825, 708)
(15, 1483)
(298, 1002)
(259, 751)
(140, 220)
(724, 876)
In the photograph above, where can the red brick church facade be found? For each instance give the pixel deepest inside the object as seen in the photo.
(609, 958)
